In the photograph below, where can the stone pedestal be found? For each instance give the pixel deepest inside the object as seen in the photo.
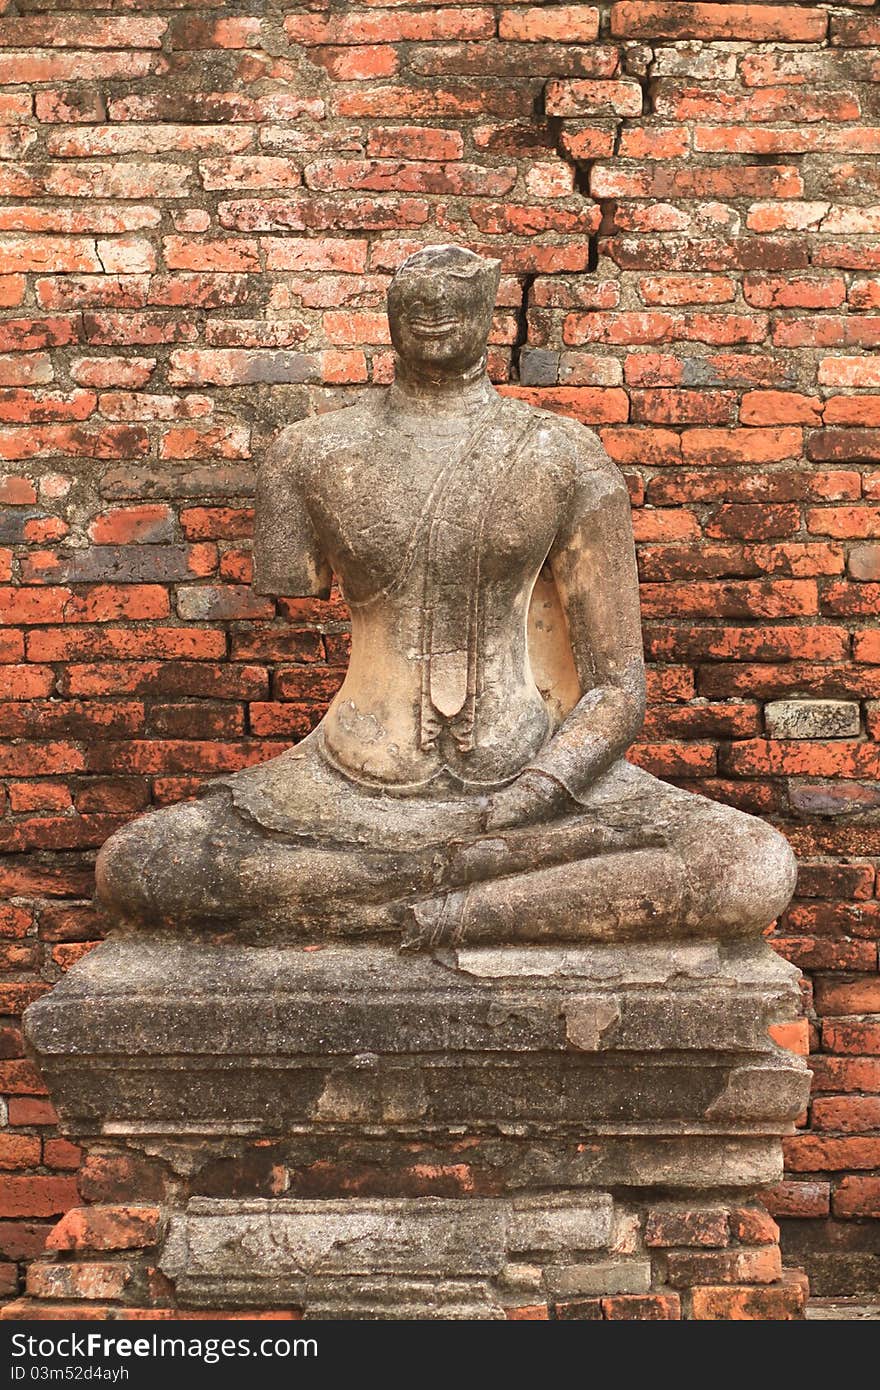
(485, 1133)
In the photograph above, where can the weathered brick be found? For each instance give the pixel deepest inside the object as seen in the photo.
(779, 1302)
(757, 22)
(798, 1199)
(44, 65)
(812, 719)
(118, 1178)
(671, 1226)
(35, 1195)
(649, 1307)
(568, 23)
(582, 97)
(857, 1196)
(91, 1281)
(106, 1228)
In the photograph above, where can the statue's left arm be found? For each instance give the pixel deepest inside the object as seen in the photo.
(594, 567)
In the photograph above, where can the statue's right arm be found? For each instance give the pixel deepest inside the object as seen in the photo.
(287, 554)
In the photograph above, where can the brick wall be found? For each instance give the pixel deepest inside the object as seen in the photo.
(200, 205)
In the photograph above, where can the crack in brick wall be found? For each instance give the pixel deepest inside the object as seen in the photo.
(200, 209)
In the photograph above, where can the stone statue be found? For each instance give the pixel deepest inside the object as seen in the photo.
(576, 1046)
(468, 783)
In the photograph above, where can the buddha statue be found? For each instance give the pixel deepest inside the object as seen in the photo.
(469, 781)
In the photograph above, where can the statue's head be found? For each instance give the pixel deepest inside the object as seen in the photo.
(440, 306)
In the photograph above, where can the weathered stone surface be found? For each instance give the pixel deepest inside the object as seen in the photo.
(348, 1036)
(468, 782)
(601, 1276)
(286, 1251)
(403, 1300)
(386, 1003)
(595, 1099)
(812, 718)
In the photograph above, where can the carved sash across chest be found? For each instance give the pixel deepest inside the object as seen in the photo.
(446, 574)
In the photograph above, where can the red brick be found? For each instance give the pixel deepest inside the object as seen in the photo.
(118, 1179)
(590, 405)
(586, 142)
(61, 1154)
(854, 30)
(103, 372)
(780, 408)
(65, 644)
(845, 1114)
(357, 64)
(36, 1195)
(857, 1196)
(758, 1265)
(179, 678)
(733, 599)
(650, 1307)
(679, 20)
(46, 66)
(779, 1302)
(851, 1036)
(14, 921)
(27, 1308)
(30, 1110)
(205, 523)
(403, 142)
(365, 27)
(49, 31)
(753, 1226)
(747, 522)
(12, 290)
(150, 522)
(566, 23)
(23, 1240)
(668, 407)
(106, 1228)
(579, 1310)
(805, 1199)
(19, 1151)
(582, 97)
(817, 1153)
(860, 995)
(835, 880)
(195, 32)
(671, 1226)
(91, 1281)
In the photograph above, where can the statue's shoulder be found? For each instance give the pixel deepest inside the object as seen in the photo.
(562, 441)
(304, 444)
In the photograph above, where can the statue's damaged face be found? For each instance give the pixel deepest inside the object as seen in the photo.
(440, 306)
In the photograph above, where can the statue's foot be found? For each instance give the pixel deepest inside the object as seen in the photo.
(432, 922)
(723, 875)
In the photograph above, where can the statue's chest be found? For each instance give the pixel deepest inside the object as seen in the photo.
(480, 514)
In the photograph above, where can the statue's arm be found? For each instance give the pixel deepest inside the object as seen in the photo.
(594, 566)
(287, 554)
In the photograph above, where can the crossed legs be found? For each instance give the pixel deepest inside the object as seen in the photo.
(656, 862)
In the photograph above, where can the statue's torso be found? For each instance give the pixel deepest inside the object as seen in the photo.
(438, 532)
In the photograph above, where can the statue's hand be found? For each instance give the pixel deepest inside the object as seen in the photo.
(532, 798)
